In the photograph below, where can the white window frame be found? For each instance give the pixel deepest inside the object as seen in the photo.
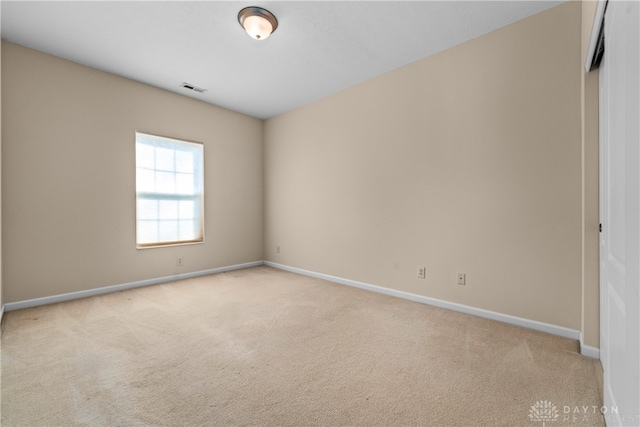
(172, 194)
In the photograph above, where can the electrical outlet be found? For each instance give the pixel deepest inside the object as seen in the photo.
(422, 272)
(277, 249)
(179, 261)
(462, 279)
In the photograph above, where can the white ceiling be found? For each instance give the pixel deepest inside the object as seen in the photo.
(319, 48)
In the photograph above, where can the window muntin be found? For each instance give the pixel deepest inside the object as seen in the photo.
(169, 191)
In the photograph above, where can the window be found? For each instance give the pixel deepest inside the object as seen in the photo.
(169, 191)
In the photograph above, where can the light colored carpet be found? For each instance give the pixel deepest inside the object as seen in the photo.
(266, 347)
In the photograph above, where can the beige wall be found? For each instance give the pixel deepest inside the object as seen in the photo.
(68, 182)
(590, 205)
(481, 159)
(466, 161)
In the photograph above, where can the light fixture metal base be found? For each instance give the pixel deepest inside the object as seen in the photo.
(259, 12)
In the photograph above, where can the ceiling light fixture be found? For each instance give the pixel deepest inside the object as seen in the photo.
(259, 23)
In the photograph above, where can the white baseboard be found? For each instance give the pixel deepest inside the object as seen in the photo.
(589, 351)
(585, 350)
(10, 306)
(513, 320)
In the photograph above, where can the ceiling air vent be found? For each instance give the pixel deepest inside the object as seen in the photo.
(193, 88)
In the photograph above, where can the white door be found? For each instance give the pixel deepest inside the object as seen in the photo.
(620, 213)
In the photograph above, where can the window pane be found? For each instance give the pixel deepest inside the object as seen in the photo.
(145, 181)
(184, 162)
(187, 230)
(165, 182)
(187, 209)
(147, 231)
(168, 209)
(184, 183)
(147, 209)
(169, 175)
(165, 159)
(144, 156)
(168, 231)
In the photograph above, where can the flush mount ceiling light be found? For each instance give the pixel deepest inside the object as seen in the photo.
(259, 23)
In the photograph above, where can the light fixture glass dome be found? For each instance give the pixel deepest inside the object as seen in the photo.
(257, 27)
(259, 23)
